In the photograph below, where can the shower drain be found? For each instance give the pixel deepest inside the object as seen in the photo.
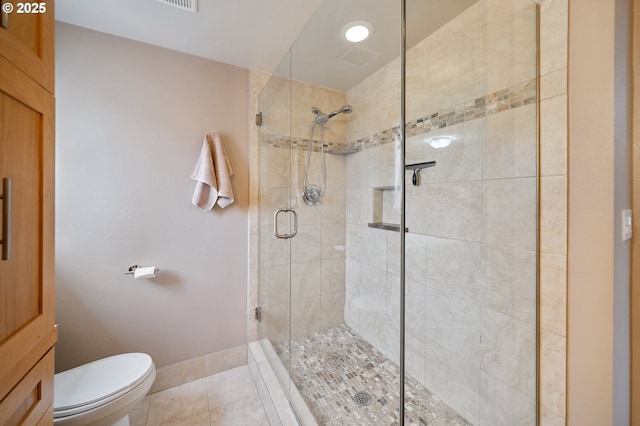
(363, 398)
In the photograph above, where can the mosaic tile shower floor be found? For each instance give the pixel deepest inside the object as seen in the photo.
(330, 367)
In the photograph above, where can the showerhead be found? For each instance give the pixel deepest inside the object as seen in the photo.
(321, 118)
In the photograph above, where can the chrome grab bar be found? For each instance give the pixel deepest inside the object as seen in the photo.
(275, 223)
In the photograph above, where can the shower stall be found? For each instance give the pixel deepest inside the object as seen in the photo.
(397, 266)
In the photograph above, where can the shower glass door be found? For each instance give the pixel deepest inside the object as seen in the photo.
(471, 249)
(331, 314)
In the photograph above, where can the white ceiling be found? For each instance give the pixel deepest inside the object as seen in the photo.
(256, 34)
(252, 34)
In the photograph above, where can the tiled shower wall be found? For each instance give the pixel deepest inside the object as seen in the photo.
(554, 18)
(371, 267)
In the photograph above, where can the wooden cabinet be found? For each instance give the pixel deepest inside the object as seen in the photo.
(28, 43)
(27, 320)
(30, 402)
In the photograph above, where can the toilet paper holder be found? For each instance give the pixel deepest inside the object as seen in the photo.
(132, 269)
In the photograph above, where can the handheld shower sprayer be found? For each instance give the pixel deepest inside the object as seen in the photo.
(312, 194)
(344, 110)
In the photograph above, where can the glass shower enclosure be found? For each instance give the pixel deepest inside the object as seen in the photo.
(398, 214)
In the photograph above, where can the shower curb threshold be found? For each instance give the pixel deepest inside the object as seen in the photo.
(265, 367)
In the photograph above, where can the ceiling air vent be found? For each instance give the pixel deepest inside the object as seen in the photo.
(358, 56)
(190, 5)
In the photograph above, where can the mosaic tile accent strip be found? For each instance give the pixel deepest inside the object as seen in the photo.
(277, 141)
(385, 137)
(519, 95)
(332, 366)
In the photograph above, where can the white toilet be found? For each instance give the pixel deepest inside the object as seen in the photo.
(102, 392)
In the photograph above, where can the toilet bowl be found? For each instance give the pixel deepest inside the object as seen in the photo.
(103, 392)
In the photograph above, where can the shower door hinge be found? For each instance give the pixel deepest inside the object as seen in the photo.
(259, 314)
(259, 119)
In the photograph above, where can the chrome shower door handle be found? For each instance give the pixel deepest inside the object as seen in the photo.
(275, 223)
(6, 218)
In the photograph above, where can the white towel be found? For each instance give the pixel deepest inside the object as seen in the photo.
(212, 175)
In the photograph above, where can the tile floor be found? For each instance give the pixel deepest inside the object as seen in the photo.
(332, 367)
(329, 368)
(227, 398)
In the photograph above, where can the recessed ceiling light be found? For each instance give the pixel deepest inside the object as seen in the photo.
(357, 31)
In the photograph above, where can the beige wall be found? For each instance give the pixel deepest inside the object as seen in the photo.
(130, 123)
(597, 266)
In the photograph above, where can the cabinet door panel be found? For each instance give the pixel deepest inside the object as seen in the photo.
(21, 274)
(28, 42)
(32, 398)
(27, 328)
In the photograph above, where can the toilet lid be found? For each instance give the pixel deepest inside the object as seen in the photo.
(99, 381)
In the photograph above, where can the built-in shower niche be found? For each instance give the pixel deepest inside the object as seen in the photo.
(386, 208)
